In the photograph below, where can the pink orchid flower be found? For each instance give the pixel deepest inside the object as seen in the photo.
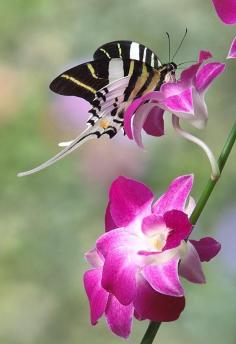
(184, 98)
(137, 263)
(232, 50)
(226, 10)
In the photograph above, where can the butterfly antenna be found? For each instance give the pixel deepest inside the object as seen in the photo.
(168, 36)
(177, 50)
(180, 64)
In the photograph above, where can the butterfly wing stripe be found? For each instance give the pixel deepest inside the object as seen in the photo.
(134, 51)
(79, 83)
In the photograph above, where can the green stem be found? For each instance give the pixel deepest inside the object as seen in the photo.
(153, 327)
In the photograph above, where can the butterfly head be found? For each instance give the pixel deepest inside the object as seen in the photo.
(169, 72)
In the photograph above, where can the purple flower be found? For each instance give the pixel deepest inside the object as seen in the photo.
(183, 98)
(232, 50)
(137, 263)
(226, 10)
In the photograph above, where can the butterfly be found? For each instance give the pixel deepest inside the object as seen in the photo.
(120, 72)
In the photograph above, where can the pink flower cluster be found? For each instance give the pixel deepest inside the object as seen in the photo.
(183, 98)
(137, 264)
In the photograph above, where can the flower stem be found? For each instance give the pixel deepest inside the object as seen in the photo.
(153, 327)
(151, 332)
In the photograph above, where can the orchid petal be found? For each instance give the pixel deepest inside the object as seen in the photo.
(226, 10)
(128, 200)
(180, 227)
(164, 278)
(190, 206)
(119, 317)
(129, 113)
(154, 306)
(200, 117)
(94, 258)
(188, 74)
(154, 124)
(176, 195)
(207, 74)
(119, 275)
(232, 50)
(139, 119)
(181, 102)
(97, 296)
(152, 223)
(204, 55)
(207, 248)
(118, 238)
(190, 266)
(109, 222)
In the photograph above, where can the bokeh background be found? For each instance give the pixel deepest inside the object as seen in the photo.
(48, 220)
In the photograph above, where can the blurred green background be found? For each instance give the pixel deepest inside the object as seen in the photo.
(48, 220)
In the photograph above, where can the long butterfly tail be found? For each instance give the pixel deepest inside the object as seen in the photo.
(88, 134)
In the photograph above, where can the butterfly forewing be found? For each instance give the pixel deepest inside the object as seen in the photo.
(82, 81)
(127, 50)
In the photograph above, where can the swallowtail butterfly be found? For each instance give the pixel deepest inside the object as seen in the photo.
(120, 72)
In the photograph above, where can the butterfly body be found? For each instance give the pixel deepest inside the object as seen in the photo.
(120, 72)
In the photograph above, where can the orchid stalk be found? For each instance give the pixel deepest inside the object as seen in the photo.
(154, 326)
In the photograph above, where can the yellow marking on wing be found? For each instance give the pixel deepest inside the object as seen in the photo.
(92, 71)
(119, 48)
(105, 52)
(104, 123)
(131, 67)
(140, 82)
(155, 79)
(79, 83)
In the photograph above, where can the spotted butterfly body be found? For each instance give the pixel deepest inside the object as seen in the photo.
(120, 72)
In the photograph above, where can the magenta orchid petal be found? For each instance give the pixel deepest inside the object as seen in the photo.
(119, 275)
(129, 113)
(188, 74)
(180, 227)
(139, 119)
(154, 306)
(119, 317)
(204, 55)
(118, 238)
(94, 258)
(179, 103)
(170, 89)
(190, 266)
(226, 10)
(176, 195)
(207, 248)
(109, 222)
(154, 124)
(97, 296)
(164, 278)
(151, 224)
(207, 74)
(232, 50)
(128, 199)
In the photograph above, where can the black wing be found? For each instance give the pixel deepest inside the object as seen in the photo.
(82, 81)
